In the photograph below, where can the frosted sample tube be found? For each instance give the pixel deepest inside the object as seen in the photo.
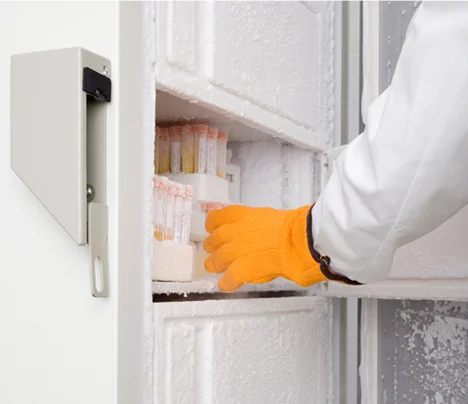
(211, 206)
(157, 137)
(176, 146)
(170, 202)
(179, 212)
(187, 149)
(211, 151)
(159, 205)
(200, 133)
(187, 217)
(222, 154)
(155, 207)
(164, 152)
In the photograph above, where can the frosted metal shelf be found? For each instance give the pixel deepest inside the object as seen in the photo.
(415, 289)
(172, 109)
(209, 284)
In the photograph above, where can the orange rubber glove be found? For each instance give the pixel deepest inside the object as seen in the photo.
(257, 245)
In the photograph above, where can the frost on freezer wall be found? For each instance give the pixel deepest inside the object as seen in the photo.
(270, 65)
(275, 174)
(300, 172)
(245, 351)
(424, 354)
(261, 173)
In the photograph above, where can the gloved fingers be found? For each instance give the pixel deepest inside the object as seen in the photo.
(230, 281)
(222, 235)
(257, 268)
(220, 259)
(230, 214)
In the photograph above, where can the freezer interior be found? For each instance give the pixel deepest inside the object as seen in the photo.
(252, 168)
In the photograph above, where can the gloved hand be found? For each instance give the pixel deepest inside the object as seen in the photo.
(257, 245)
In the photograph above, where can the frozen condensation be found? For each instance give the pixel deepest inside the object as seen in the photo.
(276, 175)
(298, 176)
(244, 351)
(424, 352)
(261, 173)
(209, 284)
(268, 65)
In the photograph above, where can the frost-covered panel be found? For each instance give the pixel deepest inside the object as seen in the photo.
(276, 54)
(269, 65)
(423, 356)
(261, 173)
(252, 351)
(301, 169)
(276, 175)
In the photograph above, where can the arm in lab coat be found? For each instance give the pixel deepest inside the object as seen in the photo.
(408, 172)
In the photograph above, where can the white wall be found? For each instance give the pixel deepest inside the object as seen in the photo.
(57, 343)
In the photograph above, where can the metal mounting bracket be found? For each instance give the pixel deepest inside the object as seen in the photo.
(58, 143)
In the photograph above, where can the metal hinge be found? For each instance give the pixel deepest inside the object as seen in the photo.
(58, 144)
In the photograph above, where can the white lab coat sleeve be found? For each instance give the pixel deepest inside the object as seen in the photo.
(408, 172)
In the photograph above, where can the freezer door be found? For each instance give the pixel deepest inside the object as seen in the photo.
(436, 265)
(249, 351)
(261, 71)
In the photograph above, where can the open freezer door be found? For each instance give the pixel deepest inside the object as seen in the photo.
(272, 343)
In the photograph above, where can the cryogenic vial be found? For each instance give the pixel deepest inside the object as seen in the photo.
(179, 212)
(211, 150)
(187, 216)
(187, 149)
(200, 133)
(204, 209)
(159, 205)
(155, 206)
(165, 152)
(176, 146)
(222, 154)
(170, 202)
(156, 149)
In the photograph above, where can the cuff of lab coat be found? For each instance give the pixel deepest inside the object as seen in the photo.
(323, 260)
